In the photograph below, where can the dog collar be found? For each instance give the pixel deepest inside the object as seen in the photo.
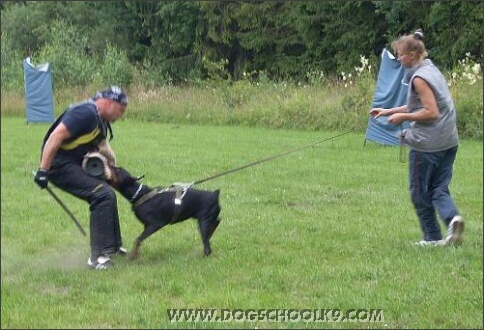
(136, 193)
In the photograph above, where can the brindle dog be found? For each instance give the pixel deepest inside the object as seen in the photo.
(157, 207)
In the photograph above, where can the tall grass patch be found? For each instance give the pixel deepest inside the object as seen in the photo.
(279, 106)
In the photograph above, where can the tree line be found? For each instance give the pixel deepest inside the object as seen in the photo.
(284, 39)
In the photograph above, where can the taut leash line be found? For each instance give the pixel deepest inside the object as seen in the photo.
(267, 159)
(402, 146)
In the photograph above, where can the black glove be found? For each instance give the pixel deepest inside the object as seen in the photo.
(42, 178)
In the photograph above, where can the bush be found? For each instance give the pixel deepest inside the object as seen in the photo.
(66, 52)
(151, 76)
(466, 86)
(357, 90)
(12, 69)
(115, 68)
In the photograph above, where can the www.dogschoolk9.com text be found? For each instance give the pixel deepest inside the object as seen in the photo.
(275, 315)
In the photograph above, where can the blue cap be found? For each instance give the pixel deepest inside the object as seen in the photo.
(114, 93)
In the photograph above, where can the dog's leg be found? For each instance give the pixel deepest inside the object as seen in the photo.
(134, 253)
(213, 227)
(148, 231)
(207, 225)
(203, 226)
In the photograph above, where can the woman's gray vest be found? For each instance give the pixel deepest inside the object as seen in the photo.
(441, 133)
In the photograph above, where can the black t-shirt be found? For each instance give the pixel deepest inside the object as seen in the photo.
(86, 127)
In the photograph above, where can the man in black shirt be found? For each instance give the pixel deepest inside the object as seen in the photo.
(83, 128)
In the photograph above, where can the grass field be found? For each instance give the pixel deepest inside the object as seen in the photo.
(329, 226)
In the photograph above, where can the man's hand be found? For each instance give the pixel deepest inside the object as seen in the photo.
(42, 178)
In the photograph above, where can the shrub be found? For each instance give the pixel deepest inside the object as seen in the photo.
(66, 52)
(466, 86)
(150, 76)
(357, 89)
(115, 68)
(12, 68)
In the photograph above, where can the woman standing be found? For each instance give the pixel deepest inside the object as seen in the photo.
(432, 138)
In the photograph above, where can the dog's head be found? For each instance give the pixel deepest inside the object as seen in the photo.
(120, 178)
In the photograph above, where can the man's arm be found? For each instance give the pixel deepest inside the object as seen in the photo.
(53, 143)
(106, 150)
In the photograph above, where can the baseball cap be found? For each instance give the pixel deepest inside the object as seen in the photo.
(114, 93)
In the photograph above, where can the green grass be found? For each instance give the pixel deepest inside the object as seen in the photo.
(329, 226)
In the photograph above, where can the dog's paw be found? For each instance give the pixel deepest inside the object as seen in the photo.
(133, 255)
(207, 251)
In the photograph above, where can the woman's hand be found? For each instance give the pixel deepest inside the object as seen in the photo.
(377, 112)
(397, 118)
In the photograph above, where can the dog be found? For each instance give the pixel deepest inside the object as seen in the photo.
(156, 207)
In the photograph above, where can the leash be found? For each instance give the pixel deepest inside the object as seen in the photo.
(180, 188)
(402, 155)
(58, 200)
(266, 159)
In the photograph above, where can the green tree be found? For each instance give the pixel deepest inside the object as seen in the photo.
(175, 44)
(458, 21)
(283, 39)
(12, 69)
(268, 30)
(219, 41)
(451, 28)
(66, 53)
(338, 33)
(26, 25)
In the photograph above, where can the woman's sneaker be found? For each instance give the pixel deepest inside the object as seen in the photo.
(454, 233)
(101, 262)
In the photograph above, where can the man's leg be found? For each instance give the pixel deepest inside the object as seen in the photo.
(105, 233)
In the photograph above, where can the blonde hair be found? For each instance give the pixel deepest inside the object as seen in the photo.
(411, 43)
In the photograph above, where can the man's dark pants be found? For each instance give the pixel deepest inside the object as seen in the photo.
(105, 232)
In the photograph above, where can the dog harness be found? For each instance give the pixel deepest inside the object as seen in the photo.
(180, 190)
